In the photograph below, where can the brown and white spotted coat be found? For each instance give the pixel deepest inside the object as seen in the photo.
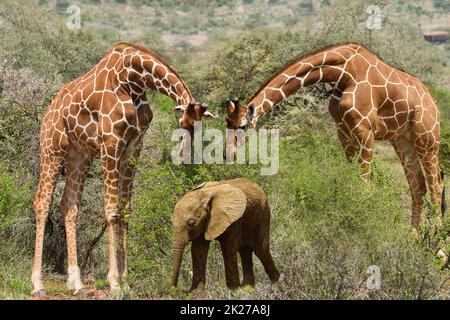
(371, 101)
(106, 113)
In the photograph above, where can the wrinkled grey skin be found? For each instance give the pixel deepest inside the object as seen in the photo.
(237, 214)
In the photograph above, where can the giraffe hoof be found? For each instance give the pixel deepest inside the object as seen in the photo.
(80, 292)
(39, 293)
(441, 255)
(439, 223)
(116, 293)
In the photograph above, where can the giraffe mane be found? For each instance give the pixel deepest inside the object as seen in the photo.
(158, 57)
(304, 56)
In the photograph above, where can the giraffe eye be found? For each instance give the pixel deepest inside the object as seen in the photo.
(244, 127)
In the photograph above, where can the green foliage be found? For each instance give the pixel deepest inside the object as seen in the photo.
(24, 98)
(443, 5)
(328, 226)
(442, 96)
(15, 235)
(50, 49)
(334, 226)
(244, 63)
(345, 21)
(13, 200)
(240, 66)
(164, 103)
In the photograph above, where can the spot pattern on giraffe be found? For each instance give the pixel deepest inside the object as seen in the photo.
(370, 101)
(105, 113)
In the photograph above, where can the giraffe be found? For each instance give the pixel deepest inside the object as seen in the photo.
(370, 101)
(103, 113)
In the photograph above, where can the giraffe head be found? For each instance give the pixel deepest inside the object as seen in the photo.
(239, 118)
(193, 112)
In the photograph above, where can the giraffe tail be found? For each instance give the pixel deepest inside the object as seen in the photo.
(443, 202)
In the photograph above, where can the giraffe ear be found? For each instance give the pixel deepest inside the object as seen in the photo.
(250, 113)
(236, 104)
(179, 109)
(191, 106)
(229, 106)
(203, 107)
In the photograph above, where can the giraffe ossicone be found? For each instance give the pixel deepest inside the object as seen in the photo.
(103, 113)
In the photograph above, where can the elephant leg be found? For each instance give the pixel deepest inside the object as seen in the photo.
(262, 247)
(262, 251)
(199, 252)
(247, 266)
(229, 251)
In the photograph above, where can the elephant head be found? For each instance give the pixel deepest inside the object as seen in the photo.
(206, 211)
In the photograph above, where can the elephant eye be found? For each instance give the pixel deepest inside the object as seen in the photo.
(191, 223)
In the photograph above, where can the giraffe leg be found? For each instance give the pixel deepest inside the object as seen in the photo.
(343, 135)
(356, 134)
(77, 167)
(425, 134)
(363, 140)
(128, 170)
(411, 165)
(347, 143)
(111, 152)
(430, 162)
(359, 143)
(50, 169)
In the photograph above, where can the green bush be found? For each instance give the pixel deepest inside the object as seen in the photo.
(35, 37)
(334, 226)
(328, 226)
(442, 96)
(15, 236)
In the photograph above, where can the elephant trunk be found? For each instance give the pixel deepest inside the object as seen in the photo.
(178, 250)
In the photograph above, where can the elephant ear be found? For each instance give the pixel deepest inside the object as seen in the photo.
(227, 204)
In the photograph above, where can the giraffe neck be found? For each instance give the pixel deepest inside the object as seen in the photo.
(322, 67)
(143, 72)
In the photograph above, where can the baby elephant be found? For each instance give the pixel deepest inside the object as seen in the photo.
(237, 214)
